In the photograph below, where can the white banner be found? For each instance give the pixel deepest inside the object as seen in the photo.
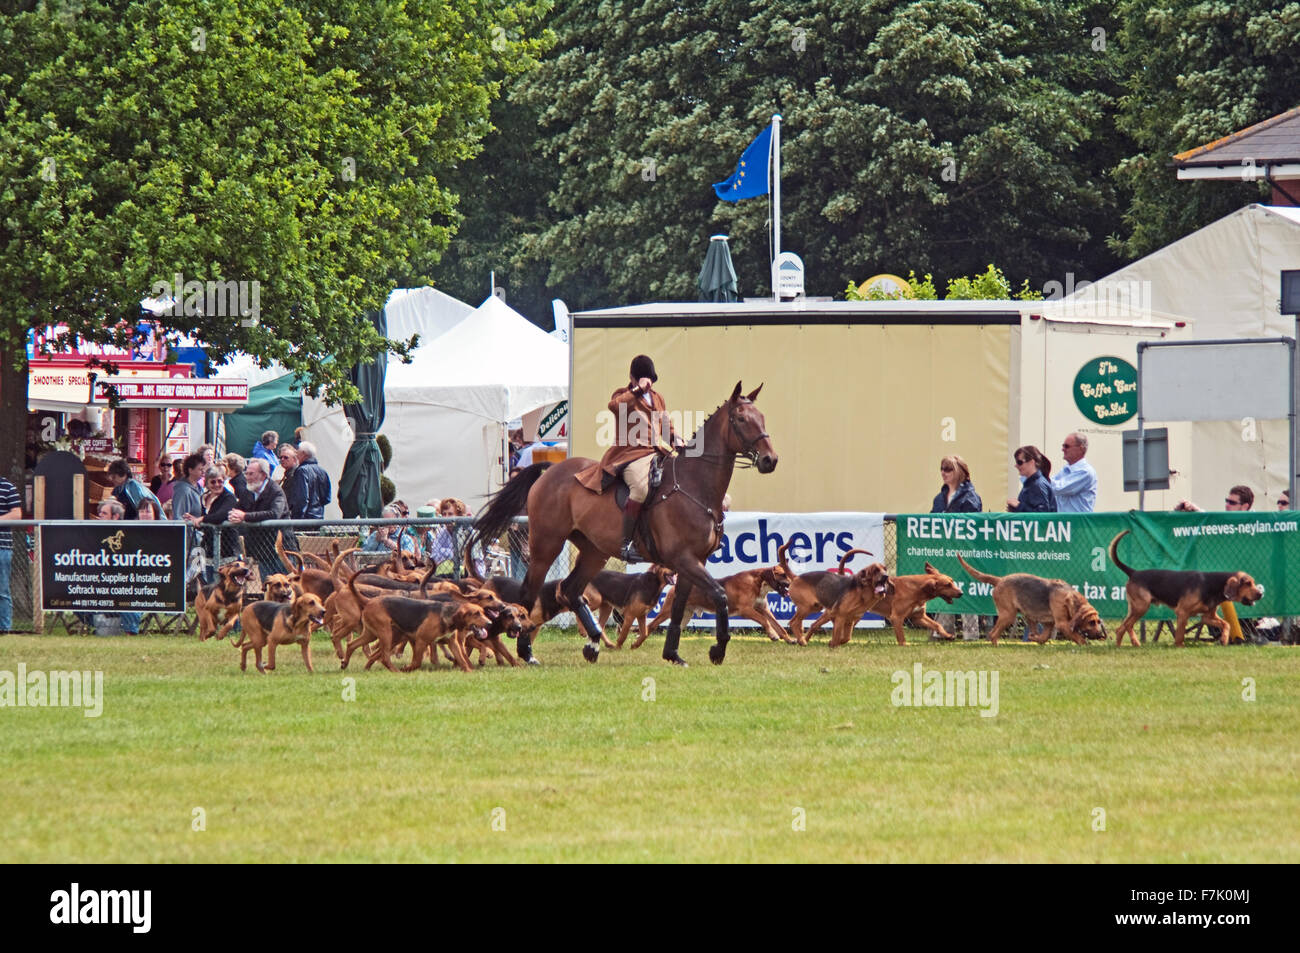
(817, 541)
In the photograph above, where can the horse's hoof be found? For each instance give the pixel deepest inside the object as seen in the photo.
(532, 661)
(716, 654)
(589, 653)
(676, 660)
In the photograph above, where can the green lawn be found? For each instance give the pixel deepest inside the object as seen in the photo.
(713, 769)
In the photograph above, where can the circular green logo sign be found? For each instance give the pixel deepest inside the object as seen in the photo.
(1105, 390)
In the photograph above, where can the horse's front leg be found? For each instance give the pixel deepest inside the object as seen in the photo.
(718, 650)
(672, 639)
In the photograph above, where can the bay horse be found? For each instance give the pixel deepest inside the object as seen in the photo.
(683, 517)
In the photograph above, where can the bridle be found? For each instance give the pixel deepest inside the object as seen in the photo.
(749, 450)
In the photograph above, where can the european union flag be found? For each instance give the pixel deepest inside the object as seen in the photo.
(751, 172)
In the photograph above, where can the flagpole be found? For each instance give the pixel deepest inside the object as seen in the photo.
(776, 201)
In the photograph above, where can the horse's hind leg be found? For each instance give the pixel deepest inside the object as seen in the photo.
(541, 554)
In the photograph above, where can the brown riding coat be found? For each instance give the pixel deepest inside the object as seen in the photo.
(637, 432)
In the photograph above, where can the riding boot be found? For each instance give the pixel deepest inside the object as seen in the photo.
(630, 514)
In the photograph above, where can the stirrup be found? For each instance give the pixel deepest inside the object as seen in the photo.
(630, 554)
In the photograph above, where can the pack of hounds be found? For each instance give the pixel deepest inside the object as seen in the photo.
(401, 604)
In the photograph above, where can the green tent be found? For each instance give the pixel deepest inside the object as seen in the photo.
(275, 405)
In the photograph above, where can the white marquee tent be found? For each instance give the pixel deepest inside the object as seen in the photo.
(448, 410)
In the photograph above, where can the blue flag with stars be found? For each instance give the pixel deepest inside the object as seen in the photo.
(750, 179)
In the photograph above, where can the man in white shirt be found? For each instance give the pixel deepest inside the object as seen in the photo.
(1076, 483)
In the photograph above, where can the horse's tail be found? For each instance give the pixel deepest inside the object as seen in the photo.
(1114, 554)
(507, 503)
(851, 553)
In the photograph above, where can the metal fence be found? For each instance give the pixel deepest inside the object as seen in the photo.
(441, 539)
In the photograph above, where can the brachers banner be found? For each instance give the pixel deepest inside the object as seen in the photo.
(1074, 547)
(817, 541)
(113, 566)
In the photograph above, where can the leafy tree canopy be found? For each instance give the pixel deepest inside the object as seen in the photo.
(297, 145)
(1195, 71)
(928, 132)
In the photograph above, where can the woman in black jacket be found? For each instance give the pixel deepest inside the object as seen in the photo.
(217, 502)
(1037, 495)
(957, 495)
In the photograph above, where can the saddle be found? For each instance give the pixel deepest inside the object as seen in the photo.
(622, 491)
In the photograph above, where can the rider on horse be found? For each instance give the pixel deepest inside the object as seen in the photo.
(641, 423)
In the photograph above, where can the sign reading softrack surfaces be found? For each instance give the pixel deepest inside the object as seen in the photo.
(110, 566)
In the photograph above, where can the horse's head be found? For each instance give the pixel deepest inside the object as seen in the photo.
(747, 430)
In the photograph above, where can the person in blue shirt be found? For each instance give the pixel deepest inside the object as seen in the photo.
(264, 449)
(958, 494)
(1036, 495)
(1076, 484)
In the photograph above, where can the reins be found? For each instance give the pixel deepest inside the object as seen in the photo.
(748, 451)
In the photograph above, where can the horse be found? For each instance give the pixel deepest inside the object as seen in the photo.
(683, 518)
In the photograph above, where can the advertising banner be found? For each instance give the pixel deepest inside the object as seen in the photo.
(1074, 547)
(112, 566)
(817, 541)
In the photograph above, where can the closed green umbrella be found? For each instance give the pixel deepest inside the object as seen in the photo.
(359, 495)
(717, 281)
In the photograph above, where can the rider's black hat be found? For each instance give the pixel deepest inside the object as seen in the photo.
(642, 366)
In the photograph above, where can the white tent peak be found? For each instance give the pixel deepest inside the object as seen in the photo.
(496, 364)
(426, 311)
(1223, 279)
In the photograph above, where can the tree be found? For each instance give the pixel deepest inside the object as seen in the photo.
(989, 285)
(1196, 71)
(932, 132)
(502, 199)
(296, 146)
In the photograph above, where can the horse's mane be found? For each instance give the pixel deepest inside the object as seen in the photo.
(713, 413)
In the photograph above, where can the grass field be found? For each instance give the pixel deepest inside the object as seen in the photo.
(722, 765)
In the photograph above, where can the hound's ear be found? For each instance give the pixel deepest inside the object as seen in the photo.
(753, 395)
(1233, 587)
(931, 570)
(735, 393)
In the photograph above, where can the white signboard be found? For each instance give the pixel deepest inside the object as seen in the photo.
(789, 275)
(1220, 381)
(817, 541)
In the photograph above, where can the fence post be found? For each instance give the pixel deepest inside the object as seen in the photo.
(455, 550)
(38, 594)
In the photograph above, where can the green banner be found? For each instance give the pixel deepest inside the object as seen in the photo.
(1075, 547)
